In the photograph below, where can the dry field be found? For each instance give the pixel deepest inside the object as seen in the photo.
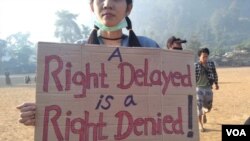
(231, 106)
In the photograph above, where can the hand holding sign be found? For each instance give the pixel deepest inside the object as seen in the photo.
(105, 93)
(27, 113)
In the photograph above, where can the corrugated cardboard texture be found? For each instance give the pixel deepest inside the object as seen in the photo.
(93, 93)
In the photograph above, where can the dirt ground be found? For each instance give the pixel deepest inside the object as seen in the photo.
(231, 106)
(231, 102)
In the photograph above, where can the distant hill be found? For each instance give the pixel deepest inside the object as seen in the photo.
(217, 23)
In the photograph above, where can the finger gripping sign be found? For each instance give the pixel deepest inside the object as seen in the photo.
(100, 93)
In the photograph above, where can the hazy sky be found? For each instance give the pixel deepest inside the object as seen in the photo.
(38, 16)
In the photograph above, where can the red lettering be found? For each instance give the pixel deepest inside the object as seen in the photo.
(146, 83)
(103, 74)
(80, 130)
(177, 124)
(157, 74)
(156, 77)
(137, 123)
(54, 119)
(68, 125)
(48, 60)
(101, 124)
(68, 76)
(79, 78)
(138, 74)
(88, 77)
(152, 122)
(147, 126)
(79, 126)
(81, 82)
(120, 115)
(176, 76)
(187, 77)
(122, 84)
(167, 80)
(159, 124)
(167, 119)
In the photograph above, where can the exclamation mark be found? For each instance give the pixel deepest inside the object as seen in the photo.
(190, 134)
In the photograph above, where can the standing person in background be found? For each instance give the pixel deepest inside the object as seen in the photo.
(27, 79)
(175, 43)
(111, 18)
(206, 76)
(7, 78)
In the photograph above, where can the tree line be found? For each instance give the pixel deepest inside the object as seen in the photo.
(18, 53)
(222, 26)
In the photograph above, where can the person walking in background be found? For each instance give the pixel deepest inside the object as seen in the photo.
(175, 43)
(206, 76)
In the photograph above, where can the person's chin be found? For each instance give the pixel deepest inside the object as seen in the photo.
(109, 24)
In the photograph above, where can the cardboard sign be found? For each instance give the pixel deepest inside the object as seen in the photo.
(99, 93)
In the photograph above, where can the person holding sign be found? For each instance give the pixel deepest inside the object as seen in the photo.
(206, 76)
(111, 18)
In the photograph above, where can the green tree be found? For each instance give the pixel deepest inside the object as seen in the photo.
(67, 29)
(194, 44)
(2, 47)
(229, 25)
(85, 31)
(220, 23)
(20, 50)
(3, 44)
(245, 45)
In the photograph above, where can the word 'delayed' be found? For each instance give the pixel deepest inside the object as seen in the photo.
(137, 76)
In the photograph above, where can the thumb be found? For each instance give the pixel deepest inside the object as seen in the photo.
(25, 105)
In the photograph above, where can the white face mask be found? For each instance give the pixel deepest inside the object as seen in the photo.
(119, 26)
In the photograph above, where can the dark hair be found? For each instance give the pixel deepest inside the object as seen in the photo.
(93, 36)
(132, 39)
(203, 50)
